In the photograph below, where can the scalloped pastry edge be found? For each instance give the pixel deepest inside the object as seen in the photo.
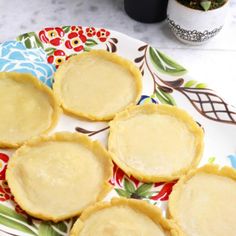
(176, 192)
(153, 212)
(28, 78)
(178, 113)
(95, 146)
(107, 55)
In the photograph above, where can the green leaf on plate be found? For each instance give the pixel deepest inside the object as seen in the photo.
(87, 49)
(201, 86)
(122, 193)
(15, 225)
(211, 160)
(61, 226)
(143, 190)
(66, 29)
(90, 42)
(165, 98)
(129, 186)
(30, 40)
(190, 83)
(45, 229)
(6, 211)
(194, 84)
(50, 51)
(27, 43)
(165, 64)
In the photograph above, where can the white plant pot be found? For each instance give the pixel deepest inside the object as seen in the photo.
(195, 26)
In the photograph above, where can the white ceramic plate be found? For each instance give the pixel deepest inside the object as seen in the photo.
(164, 81)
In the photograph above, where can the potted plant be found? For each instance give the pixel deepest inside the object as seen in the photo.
(196, 21)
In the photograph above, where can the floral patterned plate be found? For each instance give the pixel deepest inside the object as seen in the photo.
(164, 81)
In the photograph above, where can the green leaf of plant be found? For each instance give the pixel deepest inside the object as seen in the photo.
(129, 186)
(60, 226)
(50, 51)
(201, 85)
(45, 229)
(66, 28)
(90, 42)
(190, 83)
(122, 193)
(165, 64)
(143, 189)
(205, 5)
(6, 211)
(165, 98)
(15, 225)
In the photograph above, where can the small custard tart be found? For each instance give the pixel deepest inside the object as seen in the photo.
(97, 84)
(155, 143)
(27, 108)
(123, 217)
(57, 177)
(203, 203)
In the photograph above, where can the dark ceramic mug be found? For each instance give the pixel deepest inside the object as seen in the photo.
(147, 11)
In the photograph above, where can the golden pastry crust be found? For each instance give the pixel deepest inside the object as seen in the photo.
(153, 212)
(15, 164)
(110, 57)
(149, 109)
(30, 80)
(177, 189)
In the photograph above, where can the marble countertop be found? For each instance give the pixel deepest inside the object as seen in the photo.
(213, 63)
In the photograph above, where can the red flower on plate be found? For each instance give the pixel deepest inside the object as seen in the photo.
(75, 41)
(57, 58)
(90, 31)
(19, 210)
(5, 187)
(52, 36)
(4, 196)
(77, 29)
(102, 35)
(163, 194)
(118, 176)
(3, 165)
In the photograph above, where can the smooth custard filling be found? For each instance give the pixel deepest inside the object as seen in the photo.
(154, 144)
(204, 206)
(57, 177)
(25, 111)
(96, 86)
(120, 221)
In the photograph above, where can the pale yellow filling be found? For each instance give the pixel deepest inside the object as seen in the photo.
(206, 206)
(57, 178)
(96, 86)
(25, 111)
(120, 221)
(155, 144)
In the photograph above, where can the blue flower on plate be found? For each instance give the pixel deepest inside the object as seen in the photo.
(146, 99)
(232, 159)
(14, 56)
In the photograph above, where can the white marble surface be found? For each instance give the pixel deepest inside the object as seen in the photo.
(213, 63)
